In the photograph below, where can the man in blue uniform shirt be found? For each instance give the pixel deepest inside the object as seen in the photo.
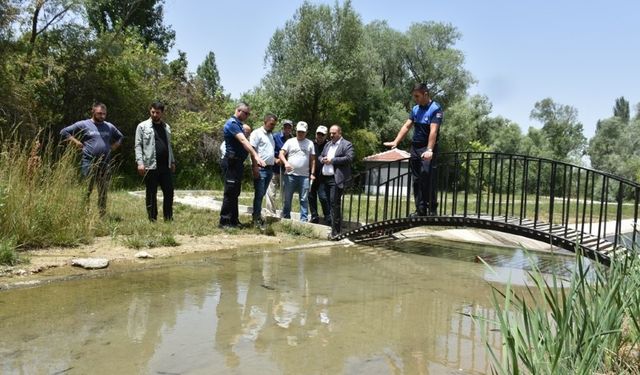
(236, 151)
(97, 139)
(427, 117)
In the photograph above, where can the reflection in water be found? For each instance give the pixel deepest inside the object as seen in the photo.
(329, 311)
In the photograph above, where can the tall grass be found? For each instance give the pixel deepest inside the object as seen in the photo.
(586, 324)
(42, 199)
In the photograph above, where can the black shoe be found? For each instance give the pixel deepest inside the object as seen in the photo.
(315, 220)
(417, 214)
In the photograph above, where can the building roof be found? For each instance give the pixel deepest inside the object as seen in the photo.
(387, 156)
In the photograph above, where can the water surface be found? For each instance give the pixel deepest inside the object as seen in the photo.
(340, 310)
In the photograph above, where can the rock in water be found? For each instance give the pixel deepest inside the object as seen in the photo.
(90, 263)
(143, 255)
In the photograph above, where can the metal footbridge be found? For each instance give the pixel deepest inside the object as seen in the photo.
(565, 205)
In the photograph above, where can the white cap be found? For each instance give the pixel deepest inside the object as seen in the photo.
(302, 126)
(321, 129)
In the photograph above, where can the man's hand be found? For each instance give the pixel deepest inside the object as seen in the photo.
(427, 155)
(392, 144)
(326, 160)
(288, 167)
(277, 161)
(173, 168)
(141, 169)
(312, 177)
(260, 162)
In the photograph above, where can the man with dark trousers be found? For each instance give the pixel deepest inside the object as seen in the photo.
(276, 186)
(96, 138)
(427, 116)
(336, 159)
(236, 151)
(317, 190)
(156, 163)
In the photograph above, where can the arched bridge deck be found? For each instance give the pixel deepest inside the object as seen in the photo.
(566, 205)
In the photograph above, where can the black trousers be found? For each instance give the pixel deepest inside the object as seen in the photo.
(424, 183)
(319, 192)
(232, 169)
(152, 179)
(334, 194)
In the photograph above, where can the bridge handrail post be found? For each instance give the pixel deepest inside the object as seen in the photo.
(568, 211)
(466, 183)
(480, 180)
(537, 209)
(635, 218)
(600, 214)
(618, 215)
(552, 194)
(386, 193)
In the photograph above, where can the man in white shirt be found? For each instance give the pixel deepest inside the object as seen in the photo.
(298, 157)
(262, 141)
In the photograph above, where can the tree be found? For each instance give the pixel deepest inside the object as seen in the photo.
(317, 68)
(561, 129)
(145, 16)
(621, 109)
(208, 73)
(431, 58)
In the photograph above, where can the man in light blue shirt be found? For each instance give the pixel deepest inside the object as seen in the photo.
(262, 141)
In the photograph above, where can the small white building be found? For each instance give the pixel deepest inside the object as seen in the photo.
(387, 166)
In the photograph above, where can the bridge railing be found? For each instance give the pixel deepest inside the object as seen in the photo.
(541, 193)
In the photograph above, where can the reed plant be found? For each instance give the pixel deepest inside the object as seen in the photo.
(587, 323)
(42, 199)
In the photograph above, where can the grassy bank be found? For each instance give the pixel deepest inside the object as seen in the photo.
(43, 204)
(587, 324)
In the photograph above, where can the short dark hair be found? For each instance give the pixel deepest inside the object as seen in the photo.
(422, 87)
(270, 116)
(99, 105)
(158, 105)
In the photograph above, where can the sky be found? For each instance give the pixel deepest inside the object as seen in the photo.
(579, 53)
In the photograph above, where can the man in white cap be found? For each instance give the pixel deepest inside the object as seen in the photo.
(298, 157)
(317, 189)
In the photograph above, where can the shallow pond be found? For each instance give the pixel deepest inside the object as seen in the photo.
(401, 308)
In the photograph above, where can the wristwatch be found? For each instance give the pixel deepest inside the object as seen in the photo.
(429, 150)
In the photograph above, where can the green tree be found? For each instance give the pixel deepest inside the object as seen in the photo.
(208, 73)
(621, 109)
(561, 129)
(145, 16)
(430, 56)
(317, 69)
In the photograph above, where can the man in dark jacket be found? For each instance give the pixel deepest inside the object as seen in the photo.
(317, 190)
(336, 159)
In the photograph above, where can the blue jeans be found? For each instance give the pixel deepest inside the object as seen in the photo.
(299, 184)
(260, 186)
